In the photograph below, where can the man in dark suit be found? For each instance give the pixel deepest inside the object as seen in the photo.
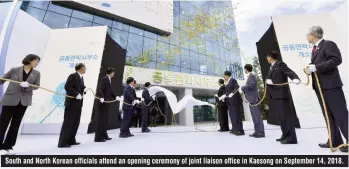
(104, 91)
(128, 108)
(74, 87)
(222, 108)
(136, 118)
(146, 107)
(325, 60)
(251, 92)
(233, 101)
(279, 98)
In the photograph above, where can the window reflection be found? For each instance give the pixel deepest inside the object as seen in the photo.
(120, 37)
(175, 53)
(149, 48)
(82, 15)
(56, 21)
(134, 45)
(194, 60)
(60, 9)
(75, 23)
(39, 4)
(36, 13)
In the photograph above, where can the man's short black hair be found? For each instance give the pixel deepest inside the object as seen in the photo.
(248, 67)
(110, 70)
(147, 84)
(79, 66)
(221, 81)
(29, 58)
(227, 73)
(135, 81)
(273, 55)
(130, 80)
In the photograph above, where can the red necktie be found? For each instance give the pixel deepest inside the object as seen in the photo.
(314, 49)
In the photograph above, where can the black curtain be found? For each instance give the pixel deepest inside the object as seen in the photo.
(113, 56)
(265, 45)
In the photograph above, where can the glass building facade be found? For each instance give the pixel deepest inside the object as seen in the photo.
(210, 52)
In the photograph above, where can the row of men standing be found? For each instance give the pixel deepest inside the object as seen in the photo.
(130, 102)
(228, 99)
(326, 58)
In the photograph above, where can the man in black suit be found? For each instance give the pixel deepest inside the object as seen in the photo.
(136, 116)
(222, 108)
(128, 108)
(74, 87)
(279, 98)
(146, 107)
(104, 91)
(233, 102)
(325, 60)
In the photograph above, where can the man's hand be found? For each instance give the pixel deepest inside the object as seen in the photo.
(222, 97)
(79, 97)
(216, 95)
(231, 95)
(85, 90)
(240, 91)
(311, 68)
(118, 98)
(269, 82)
(24, 84)
(296, 81)
(102, 100)
(142, 99)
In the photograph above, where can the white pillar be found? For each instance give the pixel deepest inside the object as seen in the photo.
(186, 116)
(6, 23)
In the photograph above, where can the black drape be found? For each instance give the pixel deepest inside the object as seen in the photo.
(113, 56)
(265, 45)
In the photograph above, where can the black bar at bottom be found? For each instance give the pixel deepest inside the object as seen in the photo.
(174, 161)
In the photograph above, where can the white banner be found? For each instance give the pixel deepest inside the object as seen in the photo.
(291, 31)
(65, 48)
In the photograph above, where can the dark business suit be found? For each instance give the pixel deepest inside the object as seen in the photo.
(222, 110)
(145, 108)
(234, 106)
(15, 103)
(326, 59)
(104, 91)
(72, 112)
(136, 115)
(128, 110)
(252, 96)
(279, 98)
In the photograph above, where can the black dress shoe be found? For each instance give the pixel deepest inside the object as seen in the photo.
(344, 149)
(223, 130)
(130, 135)
(279, 139)
(146, 131)
(75, 144)
(259, 135)
(98, 141)
(288, 142)
(108, 138)
(253, 135)
(64, 146)
(324, 145)
(240, 133)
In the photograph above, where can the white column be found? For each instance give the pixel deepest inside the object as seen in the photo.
(186, 116)
(6, 23)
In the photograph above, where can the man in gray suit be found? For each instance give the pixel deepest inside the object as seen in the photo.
(16, 100)
(252, 96)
